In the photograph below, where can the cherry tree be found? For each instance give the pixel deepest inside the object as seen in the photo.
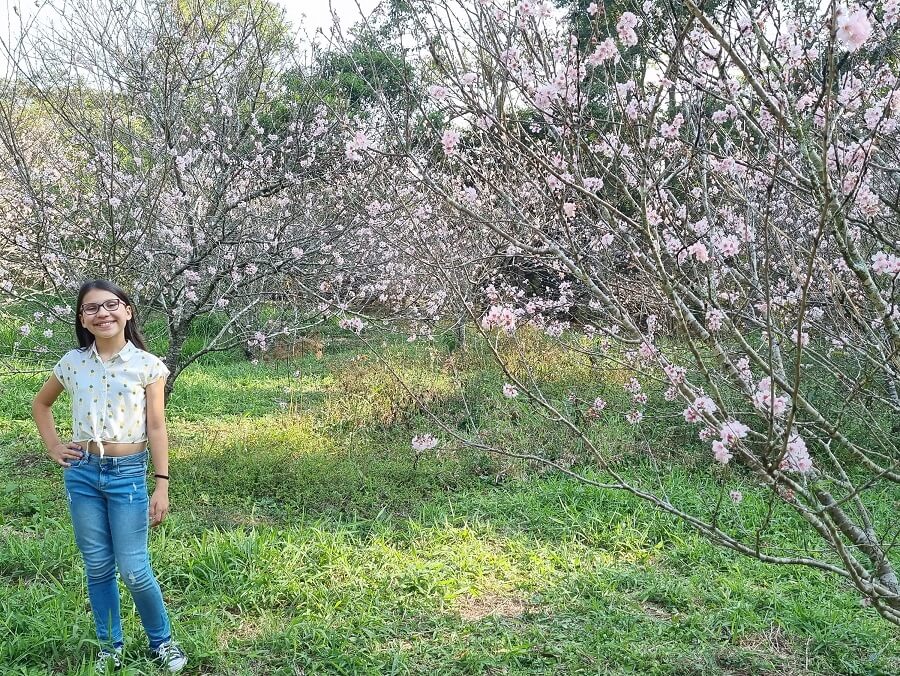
(177, 149)
(713, 190)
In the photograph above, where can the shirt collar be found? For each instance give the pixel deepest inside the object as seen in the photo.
(124, 354)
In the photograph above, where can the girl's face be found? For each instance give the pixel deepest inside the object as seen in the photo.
(104, 314)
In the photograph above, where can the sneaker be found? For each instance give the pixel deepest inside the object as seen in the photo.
(108, 659)
(170, 656)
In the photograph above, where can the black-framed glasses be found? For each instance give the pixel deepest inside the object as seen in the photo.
(93, 308)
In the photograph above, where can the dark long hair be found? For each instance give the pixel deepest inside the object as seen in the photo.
(85, 337)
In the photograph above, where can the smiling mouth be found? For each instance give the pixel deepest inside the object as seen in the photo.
(101, 325)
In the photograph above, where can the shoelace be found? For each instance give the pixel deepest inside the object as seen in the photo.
(169, 651)
(105, 656)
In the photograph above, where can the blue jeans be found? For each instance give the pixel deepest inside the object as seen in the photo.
(110, 513)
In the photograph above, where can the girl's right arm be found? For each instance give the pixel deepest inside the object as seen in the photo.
(43, 417)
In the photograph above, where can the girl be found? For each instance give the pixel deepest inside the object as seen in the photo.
(117, 391)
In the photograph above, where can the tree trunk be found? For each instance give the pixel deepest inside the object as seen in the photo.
(459, 331)
(172, 360)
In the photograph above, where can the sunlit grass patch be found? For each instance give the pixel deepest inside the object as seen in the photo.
(529, 356)
(273, 434)
(242, 389)
(365, 391)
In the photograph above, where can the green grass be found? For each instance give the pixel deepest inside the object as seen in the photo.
(307, 537)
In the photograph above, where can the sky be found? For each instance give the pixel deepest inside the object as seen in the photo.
(313, 14)
(318, 14)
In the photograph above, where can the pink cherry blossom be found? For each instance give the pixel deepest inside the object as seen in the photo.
(885, 264)
(510, 391)
(705, 404)
(502, 317)
(646, 350)
(468, 194)
(450, 141)
(354, 324)
(625, 28)
(714, 320)
(803, 339)
(691, 415)
(669, 130)
(423, 442)
(796, 458)
(728, 246)
(675, 374)
(764, 401)
(732, 430)
(721, 452)
(358, 143)
(707, 434)
(891, 12)
(699, 252)
(604, 52)
(437, 92)
(853, 28)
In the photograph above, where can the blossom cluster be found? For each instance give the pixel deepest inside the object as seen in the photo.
(423, 442)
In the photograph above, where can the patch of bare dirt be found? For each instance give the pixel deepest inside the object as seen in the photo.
(656, 611)
(28, 460)
(770, 642)
(473, 609)
(7, 531)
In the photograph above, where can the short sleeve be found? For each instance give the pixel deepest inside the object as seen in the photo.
(155, 370)
(60, 372)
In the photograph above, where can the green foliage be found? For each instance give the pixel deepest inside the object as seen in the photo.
(216, 15)
(367, 72)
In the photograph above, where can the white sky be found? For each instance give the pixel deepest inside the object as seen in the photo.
(314, 15)
(317, 12)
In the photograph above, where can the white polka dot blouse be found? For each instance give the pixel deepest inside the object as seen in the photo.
(108, 399)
